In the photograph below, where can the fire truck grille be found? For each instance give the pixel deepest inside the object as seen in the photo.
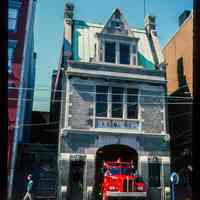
(128, 185)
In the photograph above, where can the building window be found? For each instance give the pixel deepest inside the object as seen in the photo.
(134, 48)
(110, 54)
(154, 174)
(127, 54)
(101, 101)
(12, 19)
(180, 71)
(117, 102)
(132, 103)
(10, 58)
(134, 60)
(134, 55)
(124, 53)
(116, 25)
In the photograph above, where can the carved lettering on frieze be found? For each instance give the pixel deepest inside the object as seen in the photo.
(121, 124)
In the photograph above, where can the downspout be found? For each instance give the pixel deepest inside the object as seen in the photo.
(16, 132)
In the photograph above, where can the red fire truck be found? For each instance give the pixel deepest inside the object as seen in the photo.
(120, 181)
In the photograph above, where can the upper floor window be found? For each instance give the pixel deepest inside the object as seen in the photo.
(101, 101)
(134, 49)
(118, 52)
(10, 57)
(134, 55)
(12, 19)
(132, 103)
(124, 50)
(180, 71)
(116, 102)
(110, 52)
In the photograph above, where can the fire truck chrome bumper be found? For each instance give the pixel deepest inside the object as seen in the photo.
(127, 194)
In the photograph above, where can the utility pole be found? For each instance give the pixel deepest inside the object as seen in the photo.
(196, 63)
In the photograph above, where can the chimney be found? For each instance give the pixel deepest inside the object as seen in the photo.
(184, 15)
(68, 20)
(150, 23)
(69, 10)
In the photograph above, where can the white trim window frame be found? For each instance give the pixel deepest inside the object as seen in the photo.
(119, 45)
(134, 54)
(104, 50)
(133, 58)
(102, 101)
(124, 104)
(13, 12)
(131, 103)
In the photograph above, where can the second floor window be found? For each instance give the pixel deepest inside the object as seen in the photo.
(110, 53)
(12, 19)
(101, 101)
(116, 102)
(132, 103)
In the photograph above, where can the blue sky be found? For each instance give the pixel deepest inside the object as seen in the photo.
(49, 30)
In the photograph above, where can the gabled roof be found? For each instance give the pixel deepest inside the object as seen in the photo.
(86, 39)
(117, 24)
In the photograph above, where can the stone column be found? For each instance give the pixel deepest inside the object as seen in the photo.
(63, 164)
(90, 175)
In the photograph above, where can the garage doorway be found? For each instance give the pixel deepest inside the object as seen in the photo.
(112, 153)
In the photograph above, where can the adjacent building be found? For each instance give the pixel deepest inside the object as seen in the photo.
(178, 55)
(21, 77)
(112, 104)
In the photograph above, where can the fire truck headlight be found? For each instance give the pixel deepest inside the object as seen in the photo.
(140, 188)
(111, 188)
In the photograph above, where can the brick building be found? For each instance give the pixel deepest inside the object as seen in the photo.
(178, 55)
(113, 104)
(21, 76)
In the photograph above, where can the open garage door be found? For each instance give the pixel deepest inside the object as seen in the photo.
(112, 153)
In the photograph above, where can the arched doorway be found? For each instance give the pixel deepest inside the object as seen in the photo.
(112, 153)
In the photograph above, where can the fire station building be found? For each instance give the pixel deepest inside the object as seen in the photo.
(113, 104)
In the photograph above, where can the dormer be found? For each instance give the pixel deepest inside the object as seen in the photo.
(116, 24)
(116, 42)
